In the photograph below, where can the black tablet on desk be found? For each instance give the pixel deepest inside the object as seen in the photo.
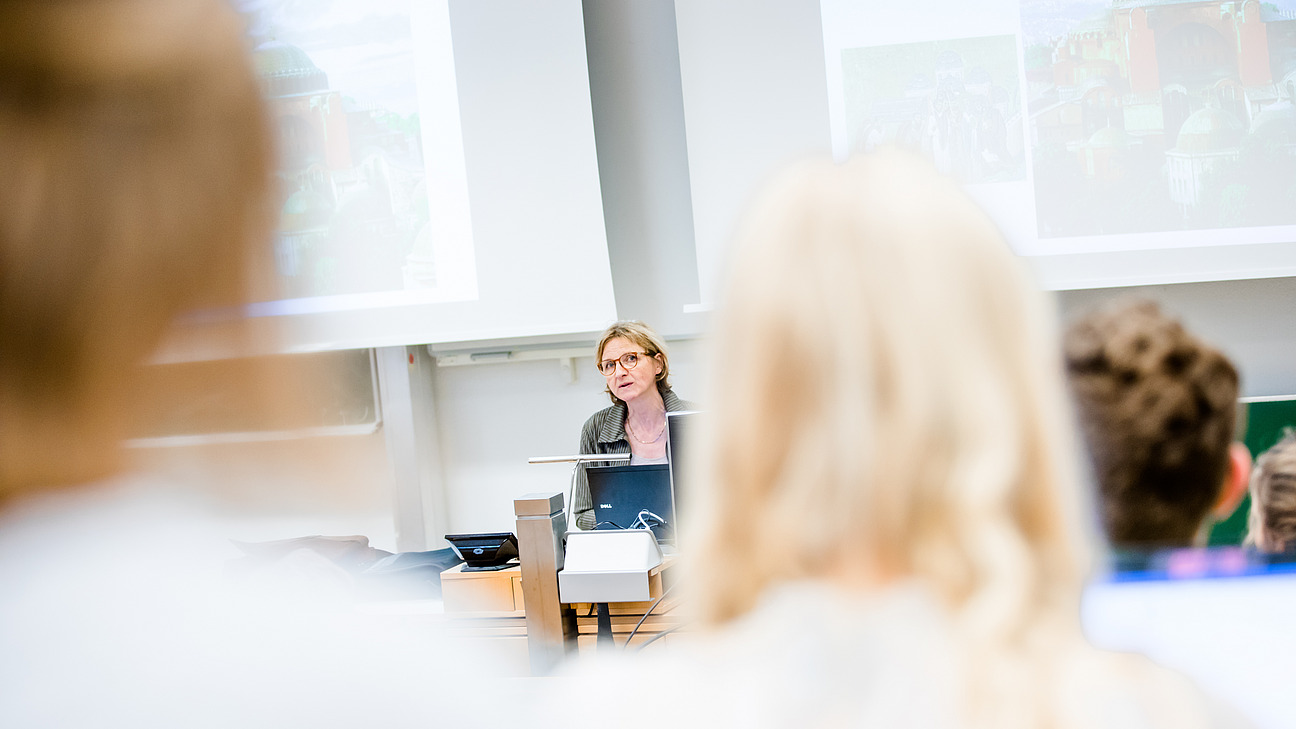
(633, 497)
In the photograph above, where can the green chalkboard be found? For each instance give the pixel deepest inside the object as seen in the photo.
(1264, 425)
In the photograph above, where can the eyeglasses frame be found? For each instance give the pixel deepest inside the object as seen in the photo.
(638, 355)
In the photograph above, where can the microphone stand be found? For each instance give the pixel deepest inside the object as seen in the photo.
(576, 460)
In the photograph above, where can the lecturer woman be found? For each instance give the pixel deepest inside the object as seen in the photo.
(632, 358)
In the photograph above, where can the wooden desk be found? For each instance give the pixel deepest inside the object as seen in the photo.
(491, 605)
(498, 592)
(488, 606)
(554, 631)
(624, 617)
(626, 614)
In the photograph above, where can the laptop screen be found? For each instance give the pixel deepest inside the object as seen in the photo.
(633, 497)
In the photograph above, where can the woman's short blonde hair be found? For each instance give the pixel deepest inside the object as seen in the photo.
(898, 412)
(137, 154)
(640, 335)
(1271, 526)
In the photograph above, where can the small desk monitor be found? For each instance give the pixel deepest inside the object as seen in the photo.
(630, 497)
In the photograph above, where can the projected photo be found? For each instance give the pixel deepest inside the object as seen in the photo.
(955, 101)
(342, 80)
(1160, 115)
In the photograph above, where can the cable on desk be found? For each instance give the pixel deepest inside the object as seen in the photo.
(647, 612)
(660, 635)
(641, 520)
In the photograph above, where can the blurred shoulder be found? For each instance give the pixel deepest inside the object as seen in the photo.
(1110, 689)
(806, 655)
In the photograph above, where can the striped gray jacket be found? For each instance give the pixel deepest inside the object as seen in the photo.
(604, 432)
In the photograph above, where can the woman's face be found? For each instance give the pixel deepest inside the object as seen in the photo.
(630, 384)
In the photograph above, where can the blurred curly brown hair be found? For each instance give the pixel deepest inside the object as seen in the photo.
(1157, 407)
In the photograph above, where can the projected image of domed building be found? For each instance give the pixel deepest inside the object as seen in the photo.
(1160, 115)
(1208, 143)
(352, 183)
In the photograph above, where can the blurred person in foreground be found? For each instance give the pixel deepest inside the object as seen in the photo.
(137, 163)
(1271, 526)
(137, 159)
(1158, 408)
(891, 533)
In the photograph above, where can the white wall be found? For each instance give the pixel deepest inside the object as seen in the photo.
(281, 489)
(489, 418)
(643, 160)
(1252, 321)
(755, 97)
(492, 417)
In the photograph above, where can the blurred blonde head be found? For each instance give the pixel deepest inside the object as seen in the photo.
(888, 405)
(137, 158)
(1272, 521)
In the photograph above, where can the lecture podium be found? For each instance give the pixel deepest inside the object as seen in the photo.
(522, 602)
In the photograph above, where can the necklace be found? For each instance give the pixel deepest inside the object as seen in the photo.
(644, 442)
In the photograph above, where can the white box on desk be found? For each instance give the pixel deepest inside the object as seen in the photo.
(611, 565)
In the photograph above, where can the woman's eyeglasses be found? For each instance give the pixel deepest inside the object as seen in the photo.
(627, 360)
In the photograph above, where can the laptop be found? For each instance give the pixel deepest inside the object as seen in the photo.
(633, 497)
